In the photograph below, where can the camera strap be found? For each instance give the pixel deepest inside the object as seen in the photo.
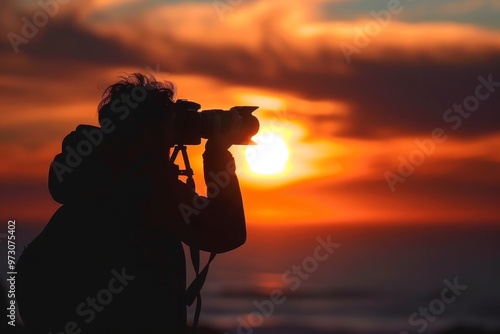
(193, 292)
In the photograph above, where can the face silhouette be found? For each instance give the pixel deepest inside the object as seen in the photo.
(156, 137)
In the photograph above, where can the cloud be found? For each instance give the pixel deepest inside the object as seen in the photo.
(65, 40)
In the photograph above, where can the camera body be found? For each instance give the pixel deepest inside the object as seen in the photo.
(191, 125)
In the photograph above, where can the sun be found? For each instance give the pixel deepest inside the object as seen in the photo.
(269, 156)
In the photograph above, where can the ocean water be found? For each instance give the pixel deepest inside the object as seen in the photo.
(374, 282)
(371, 279)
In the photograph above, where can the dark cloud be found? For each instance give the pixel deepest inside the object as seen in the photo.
(406, 99)
(66, 40)
(34, 134)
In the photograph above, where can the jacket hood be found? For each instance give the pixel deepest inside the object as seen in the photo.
(77, 172)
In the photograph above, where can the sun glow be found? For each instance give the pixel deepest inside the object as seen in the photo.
(269, 156)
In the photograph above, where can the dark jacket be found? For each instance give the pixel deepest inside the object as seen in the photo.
(111, 258)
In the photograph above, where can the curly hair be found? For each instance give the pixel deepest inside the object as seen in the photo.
(135, 101)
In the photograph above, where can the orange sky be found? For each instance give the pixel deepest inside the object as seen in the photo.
(347, 124)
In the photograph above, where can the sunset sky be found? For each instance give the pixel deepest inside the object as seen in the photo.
(356, 89)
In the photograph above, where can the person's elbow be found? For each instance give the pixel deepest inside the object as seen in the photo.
(225, 237)
(232, 243)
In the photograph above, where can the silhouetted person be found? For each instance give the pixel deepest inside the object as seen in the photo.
(110, 260)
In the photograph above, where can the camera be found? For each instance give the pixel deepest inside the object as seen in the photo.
(191, 125)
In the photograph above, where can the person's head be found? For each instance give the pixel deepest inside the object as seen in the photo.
(137, 113)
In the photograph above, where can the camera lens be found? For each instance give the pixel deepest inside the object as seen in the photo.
(249, 123)
(191, 125)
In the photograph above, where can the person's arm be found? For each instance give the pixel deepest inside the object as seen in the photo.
(220, 226)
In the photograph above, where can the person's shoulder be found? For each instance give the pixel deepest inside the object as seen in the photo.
(79, 133)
